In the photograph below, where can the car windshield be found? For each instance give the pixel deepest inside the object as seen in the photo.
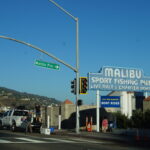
(20, 113)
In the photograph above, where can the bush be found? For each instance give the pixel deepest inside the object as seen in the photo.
(137, 119)
(121, 120)
(140, 119)
(146, 119)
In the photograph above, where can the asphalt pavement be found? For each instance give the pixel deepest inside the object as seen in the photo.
(133, 140)
(66, 139)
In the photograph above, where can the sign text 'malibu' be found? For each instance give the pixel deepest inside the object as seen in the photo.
(119, 79)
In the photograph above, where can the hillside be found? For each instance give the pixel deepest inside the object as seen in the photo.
(12, 98)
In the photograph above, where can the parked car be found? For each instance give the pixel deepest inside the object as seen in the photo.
(13, 118)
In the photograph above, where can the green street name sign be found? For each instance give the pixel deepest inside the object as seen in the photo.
(46, 64)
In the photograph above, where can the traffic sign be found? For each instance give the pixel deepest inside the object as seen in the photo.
(119, 79)
(110, 101)
(47, 64)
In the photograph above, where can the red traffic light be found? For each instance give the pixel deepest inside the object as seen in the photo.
(83, 85)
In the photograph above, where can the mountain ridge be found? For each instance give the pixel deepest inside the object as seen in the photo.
(14, 98)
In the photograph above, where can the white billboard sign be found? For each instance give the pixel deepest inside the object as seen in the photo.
(119, 79)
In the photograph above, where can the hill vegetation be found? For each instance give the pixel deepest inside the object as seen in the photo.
(12, 98)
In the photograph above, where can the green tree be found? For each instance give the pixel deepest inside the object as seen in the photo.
(147, 119)
(121, 120)
(137, 119)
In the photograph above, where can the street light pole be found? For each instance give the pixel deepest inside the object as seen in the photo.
(77, 60)
(77, 75)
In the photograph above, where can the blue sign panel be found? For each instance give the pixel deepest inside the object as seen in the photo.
(110, 101)
(119, 79)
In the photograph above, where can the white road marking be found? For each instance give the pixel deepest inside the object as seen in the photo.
(4, 141)
(60, 140)
(87, 141)
(48, 140)
(31, 140)
(75, 140)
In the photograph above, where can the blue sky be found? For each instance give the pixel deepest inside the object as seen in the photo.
(111, 33)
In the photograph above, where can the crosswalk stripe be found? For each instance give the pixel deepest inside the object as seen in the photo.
(4, 141)
(48, 140)
(60, 140)
(89, 141)
(31, 140)
(74, 140)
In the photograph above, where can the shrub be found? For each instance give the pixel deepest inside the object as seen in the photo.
(121, 120)
(137, 119)
(146, 118)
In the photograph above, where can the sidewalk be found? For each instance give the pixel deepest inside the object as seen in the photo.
(113, 136)
(95, 135)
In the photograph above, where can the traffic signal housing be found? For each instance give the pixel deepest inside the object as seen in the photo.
(73, 86)
(80, 102)
(83, 85)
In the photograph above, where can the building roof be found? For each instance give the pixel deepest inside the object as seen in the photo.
(67, 102)
(147, 99)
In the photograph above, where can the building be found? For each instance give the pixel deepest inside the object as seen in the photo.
(67, 111)
(146, 104)
(129, 101)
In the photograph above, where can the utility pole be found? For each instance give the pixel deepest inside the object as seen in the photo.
(77, 60)
(76, 70)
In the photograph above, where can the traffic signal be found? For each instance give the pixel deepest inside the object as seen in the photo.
(73, 86)
(80, 102)
(83, 85)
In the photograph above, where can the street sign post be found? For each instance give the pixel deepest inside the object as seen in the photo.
(47, 64)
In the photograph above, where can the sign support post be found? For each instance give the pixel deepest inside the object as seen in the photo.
(97, 110)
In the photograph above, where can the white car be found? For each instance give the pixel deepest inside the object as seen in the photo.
(13, 119)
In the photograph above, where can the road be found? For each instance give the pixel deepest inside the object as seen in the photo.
(21, 141)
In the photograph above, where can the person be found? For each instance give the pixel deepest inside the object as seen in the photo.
(110, 126)
(28, 123)
(105, 125)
